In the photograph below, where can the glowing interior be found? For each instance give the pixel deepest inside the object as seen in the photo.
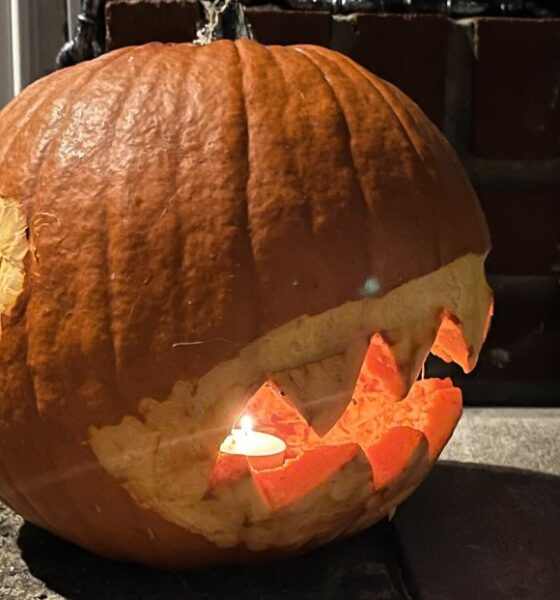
(389, 430)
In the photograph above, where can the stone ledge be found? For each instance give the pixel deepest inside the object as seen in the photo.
(524, 438)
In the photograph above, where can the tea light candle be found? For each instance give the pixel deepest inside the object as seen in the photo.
(263, 450)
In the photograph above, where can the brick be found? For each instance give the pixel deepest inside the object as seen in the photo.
(525, 229)
(134, 22)
(273, 26)
(410, 51)
(516, 88)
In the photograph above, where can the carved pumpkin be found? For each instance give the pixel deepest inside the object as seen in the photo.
(194, 233)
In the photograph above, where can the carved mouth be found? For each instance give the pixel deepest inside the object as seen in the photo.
(361, 430)
(392, 433)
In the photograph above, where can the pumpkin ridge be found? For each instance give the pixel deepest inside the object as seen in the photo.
(356, 93)
(348, 134)
(122, 256)
(36, 103)
(285, 58)
(431, 185)
(28, 102)
(186, 59)
(106, 230)
(103, 309)
(65, 488)
(257, 290)
(372, 82)
(277, 212)
(79, 85)
(37, 170)
(431, 133)
(150, 64)
(428, 172)
(307, 211)
(36, 423)
(176, 260)
(423, 169)
(341, 238)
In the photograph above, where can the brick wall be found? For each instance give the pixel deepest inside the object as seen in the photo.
(493, 86)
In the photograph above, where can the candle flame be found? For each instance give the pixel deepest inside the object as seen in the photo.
(246, 424)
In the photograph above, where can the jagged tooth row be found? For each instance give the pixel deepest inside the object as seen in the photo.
(399, 448)
(322, 390)
(381, 377)
(391, 435)
(453, 337)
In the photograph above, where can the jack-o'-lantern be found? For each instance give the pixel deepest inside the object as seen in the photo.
(193, 235)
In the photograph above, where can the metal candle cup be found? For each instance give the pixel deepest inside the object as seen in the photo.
(263, 450)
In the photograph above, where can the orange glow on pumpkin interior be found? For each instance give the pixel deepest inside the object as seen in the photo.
(390, 431)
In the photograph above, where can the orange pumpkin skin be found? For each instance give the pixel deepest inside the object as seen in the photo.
(183, 203)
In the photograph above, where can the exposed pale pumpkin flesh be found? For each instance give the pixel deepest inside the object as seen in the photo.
(13, 248)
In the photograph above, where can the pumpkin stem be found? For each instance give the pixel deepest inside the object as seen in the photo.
(224, 19)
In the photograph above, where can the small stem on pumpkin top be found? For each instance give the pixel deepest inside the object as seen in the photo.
(224, 19)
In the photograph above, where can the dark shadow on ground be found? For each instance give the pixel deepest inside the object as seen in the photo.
(475, 532)
(362, 567)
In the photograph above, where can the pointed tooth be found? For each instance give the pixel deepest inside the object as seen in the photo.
(474, 320)
(433, 407)
(282, 487)
(394, 453)
(380, 371)
(274, 412)
(461, 335)
(450, 344)
(323, 389)
(410, 346)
